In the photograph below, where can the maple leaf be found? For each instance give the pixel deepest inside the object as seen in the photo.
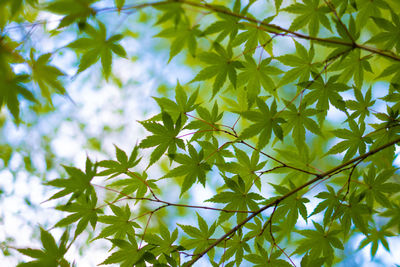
(355, 211)
(290, 208)
(51, 254)
(361, 105)
(214, 152)
(302, 63)
(120, 225)
(245, 167)
(390, 32)
(325, 93)
(331, 204)
(236, 246)
(353, 66)
(46, 75)
(369, 9)
(10, 89)
(164, 242)
(208, 124)
(265, 121)
(254, 75)
(253, 37)
(354, 140)
(122, 165)
(222, 66)
(297, 121)
(319, 241)
(262, 259)
(192, 167)
(183, 34)
(77, 184)
(83, 210)
(128, 253)
(393, 213)
(172, 11)
(375, 237)
(200, 236)
(377, 186)
(181, 105)
(164, 137)
(97, 46)
(309, 13)
(393, 96)
(237, 199)
(228, 25)
(74, 10)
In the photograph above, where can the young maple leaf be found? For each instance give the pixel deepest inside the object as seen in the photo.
(83, 210)
(192, 167)
(354, 140)
(74, 10)
(302, 63)
(10, 89)
(46, 75)
(222, 65)
(163, 138)
(376, 236)
(264, 122)
(297, 121)
(184, 34)
(238, 198)
(51, 254)
(97, 46)
(255, 75)
(309, 13)
(389, 32)
(200, 236)
(319, 241)
(325, 93)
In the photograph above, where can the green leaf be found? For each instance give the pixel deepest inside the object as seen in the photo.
(237, 199)
(375, 237)
(319, 241)
(354, 140)
(78, 182)
(389, 33)
(120, 225)
(297, 121)
(184, 34)
(74, 10)
(255, 75)
(302, 64)
(46, 76)
(83, 210)
(98, 46)
(309, 13)
(265, 121)
(164, 137)
(200, 237)
(51, 254)
(222, 66)
(378, 187)
(10, 89)
(192, 167)
(325, 93)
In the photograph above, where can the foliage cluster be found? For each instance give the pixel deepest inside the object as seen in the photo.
(254, 126)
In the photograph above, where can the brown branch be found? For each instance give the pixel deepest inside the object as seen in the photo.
(127, 197)
(272, 28)
(278, 200)
(333, 9)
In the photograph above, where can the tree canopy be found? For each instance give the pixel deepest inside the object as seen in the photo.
(273, 142)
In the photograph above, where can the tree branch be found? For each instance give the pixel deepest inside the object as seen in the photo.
(278, 200)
